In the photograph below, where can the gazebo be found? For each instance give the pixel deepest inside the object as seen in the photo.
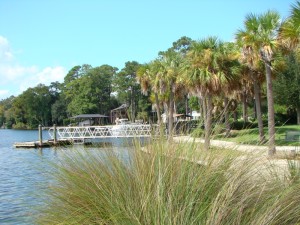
(120, 112)
(91, 119)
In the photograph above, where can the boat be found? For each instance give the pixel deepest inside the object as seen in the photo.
(126, 128)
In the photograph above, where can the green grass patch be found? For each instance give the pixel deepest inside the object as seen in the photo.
(251, 136)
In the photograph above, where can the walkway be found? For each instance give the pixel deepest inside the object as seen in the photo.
(236, 146)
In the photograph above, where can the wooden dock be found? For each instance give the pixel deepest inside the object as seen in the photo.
(44, 144)
(62, 136)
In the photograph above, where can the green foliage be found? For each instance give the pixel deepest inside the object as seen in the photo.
(128, 89)
(198, 133)
(241, 125)
(90, 93)
(20, 126)
(169, 185)
(194, 103)
(59, 111)
(282, 109)
(2, 117)
(286, 85)
(76, 72)
(182, 45)
(142, 116)
(249, 136)
(33, 107)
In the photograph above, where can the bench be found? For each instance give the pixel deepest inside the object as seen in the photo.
(292, 136)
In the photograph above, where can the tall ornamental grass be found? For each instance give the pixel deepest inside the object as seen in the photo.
(160, 184)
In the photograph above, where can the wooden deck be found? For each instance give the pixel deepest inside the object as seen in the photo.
(44, 144)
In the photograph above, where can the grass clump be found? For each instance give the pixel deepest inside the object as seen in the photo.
(163, 185)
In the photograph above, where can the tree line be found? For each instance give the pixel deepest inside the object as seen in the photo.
(85, 90)
(260, 68)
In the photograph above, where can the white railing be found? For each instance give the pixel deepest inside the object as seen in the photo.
(86, 132)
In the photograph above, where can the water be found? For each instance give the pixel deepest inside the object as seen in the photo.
(22, 174)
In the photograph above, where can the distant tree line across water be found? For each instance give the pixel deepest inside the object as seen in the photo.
(257, 77)
(85, 90)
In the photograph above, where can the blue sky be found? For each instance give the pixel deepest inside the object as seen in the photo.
(41, 40)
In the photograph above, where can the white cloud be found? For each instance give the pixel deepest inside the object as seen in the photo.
(10, 72)
(5, 51)
(3, 94)
(15, 77)
(51, 74)
(45, 76)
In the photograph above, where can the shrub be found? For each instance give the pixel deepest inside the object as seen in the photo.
(20, 126)
(240, 125)
(198, 132)
(168, 185)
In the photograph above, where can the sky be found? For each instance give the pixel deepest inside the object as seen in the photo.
(41, 40)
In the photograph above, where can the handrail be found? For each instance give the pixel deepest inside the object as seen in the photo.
(84, 132)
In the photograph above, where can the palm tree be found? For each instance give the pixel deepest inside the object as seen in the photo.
(205, 76)
(230, 81)
(289, 33)
(171, 62)
(250, 57)
(289, 38)
(149, 78)
(260, 39)
(267, 42)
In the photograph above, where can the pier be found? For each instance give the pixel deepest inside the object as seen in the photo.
(44, 144)
(80, 134)
(94, 132)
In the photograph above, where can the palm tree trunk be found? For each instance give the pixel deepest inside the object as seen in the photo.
(226, 115)
(186, 104)
(271, 112)
(245, 111)
(262, 138)
(132, 103)
(171, 112)
(208, 121)
(298, 115)
(202, 105)
(200, 102)
(157, 109)
(203, 109)
(235, 113)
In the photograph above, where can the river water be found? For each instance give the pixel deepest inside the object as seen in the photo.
(22, 174)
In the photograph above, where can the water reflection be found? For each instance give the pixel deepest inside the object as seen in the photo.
(24, 173)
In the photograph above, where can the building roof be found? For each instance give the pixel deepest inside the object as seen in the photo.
(90, 116)
(123, 106)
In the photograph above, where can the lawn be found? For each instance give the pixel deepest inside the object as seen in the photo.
(251, 136)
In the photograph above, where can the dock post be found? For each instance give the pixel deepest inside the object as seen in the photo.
(54, 134)
(40, 136)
